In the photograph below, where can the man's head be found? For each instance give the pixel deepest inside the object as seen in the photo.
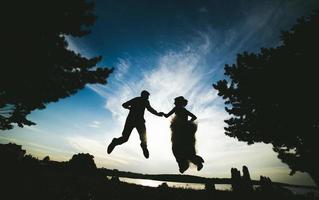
(145, 94)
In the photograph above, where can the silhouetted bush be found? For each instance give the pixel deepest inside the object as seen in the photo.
(82, 163)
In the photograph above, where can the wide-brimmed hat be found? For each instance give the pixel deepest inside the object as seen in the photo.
(181, 101)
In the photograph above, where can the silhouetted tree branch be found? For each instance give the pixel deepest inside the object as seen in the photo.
(272, 97)
(38, 68)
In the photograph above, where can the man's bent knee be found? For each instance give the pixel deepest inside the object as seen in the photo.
(121, 140)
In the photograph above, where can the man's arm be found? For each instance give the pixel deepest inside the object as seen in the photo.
(152, 110)
(128, 104)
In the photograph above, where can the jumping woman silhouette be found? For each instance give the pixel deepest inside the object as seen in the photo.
(183, 136)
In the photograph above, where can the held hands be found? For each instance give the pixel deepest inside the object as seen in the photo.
(163, 114)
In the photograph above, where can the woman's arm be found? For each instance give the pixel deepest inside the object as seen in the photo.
(193, 117)
(170, 113)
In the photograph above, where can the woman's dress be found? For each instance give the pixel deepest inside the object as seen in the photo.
(183, 137)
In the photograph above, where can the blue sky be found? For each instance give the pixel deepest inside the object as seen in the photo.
(170, 48)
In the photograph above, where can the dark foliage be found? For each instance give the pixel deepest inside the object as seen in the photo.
(25, 177)
(37, 66)
(82, 163)
(272, 97)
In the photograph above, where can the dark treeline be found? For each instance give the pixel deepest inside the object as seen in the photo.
(24, 176)
(38, 65)
(192, 179)
(271, 97)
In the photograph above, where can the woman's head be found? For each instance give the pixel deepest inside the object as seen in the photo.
(180, 101)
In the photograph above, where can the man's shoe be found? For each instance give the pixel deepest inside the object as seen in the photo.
(199, 166)
(111, 146)
(145, 152)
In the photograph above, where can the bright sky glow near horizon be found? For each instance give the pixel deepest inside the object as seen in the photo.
(169, 48)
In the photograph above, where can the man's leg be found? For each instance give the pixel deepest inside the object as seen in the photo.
(141, 129)
(128, 127)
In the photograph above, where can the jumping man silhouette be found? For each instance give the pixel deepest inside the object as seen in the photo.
(135, 119)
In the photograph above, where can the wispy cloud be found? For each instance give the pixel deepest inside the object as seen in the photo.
(95, 124)
(98, 149)
(38, 149)
(76, 45)
(121, 68)
(178, 73)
